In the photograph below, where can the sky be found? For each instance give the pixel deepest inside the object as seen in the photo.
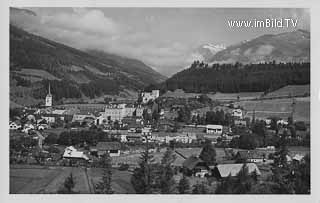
(163, 38)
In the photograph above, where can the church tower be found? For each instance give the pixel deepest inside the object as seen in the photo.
(49, 98)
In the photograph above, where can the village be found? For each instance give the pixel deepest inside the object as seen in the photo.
(80, 135)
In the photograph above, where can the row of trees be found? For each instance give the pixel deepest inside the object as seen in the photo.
(90, 137)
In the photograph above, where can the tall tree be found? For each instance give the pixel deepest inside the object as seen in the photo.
(104, 186)
(144, 177)
(200, 188)
(208, 153)
(68, 185)
(184, 185)
(167, 183)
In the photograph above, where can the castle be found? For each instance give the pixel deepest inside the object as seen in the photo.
(147, 96)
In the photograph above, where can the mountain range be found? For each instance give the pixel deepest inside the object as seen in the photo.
(206, 51)
(36, 61)
(284, 47)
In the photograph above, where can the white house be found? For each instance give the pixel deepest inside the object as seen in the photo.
(72, 153)
(14, 126)
(214, 129)
(27, 127)
(150, 96)
(117, 112)
(146, 131)
(282, 122)
(49, 118)
(237, 113)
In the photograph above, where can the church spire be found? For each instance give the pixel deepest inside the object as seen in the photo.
(49, 89)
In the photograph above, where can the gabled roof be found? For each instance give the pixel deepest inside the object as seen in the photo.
(234, 169)
(71, 152)
(191, 162)
(250, 154)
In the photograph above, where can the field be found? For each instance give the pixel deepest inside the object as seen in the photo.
(120, 180)
(36, 74)
(26, 179)
(290, 90)
(299, 150)
(278, 107)
(179, 93)
(234, 96)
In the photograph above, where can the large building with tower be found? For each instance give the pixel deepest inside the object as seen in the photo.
(150, 96)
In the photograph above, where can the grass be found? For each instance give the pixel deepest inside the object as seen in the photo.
(26, 179)
(290, 90)
(234, 96)
(278, 107)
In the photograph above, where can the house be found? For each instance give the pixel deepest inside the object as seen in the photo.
(224, 170)
(214, 129)
(282, 122)
(250, 156)
(14, 126)
(240, 123)
(72, 153)
(297, 157)
(113, 148)
(123, 138)
(237, 113)
(150, 96)
(82, 117)
(134, 138)
(117, 112)
(146, 131)
(195, 166)
(49, 118)
(165, 125)
(186, 137)
(27, 127)
(42, 126)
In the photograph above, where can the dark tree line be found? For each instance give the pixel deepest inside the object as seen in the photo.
(78, 137)
(237, 77)
(59, 89)
(99, 87)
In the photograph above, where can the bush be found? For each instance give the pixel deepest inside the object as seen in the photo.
(124, 167)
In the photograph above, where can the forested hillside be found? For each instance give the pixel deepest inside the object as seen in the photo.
(35, 61)
(229, 78)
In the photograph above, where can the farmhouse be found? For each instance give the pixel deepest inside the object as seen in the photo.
(72, 153)
(195, 166)
(113, 148)
(250, 156)
(237, 113)
(224, 170)
(240, 123)
(214, 129)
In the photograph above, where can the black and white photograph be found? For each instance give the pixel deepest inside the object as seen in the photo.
(159, 100)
